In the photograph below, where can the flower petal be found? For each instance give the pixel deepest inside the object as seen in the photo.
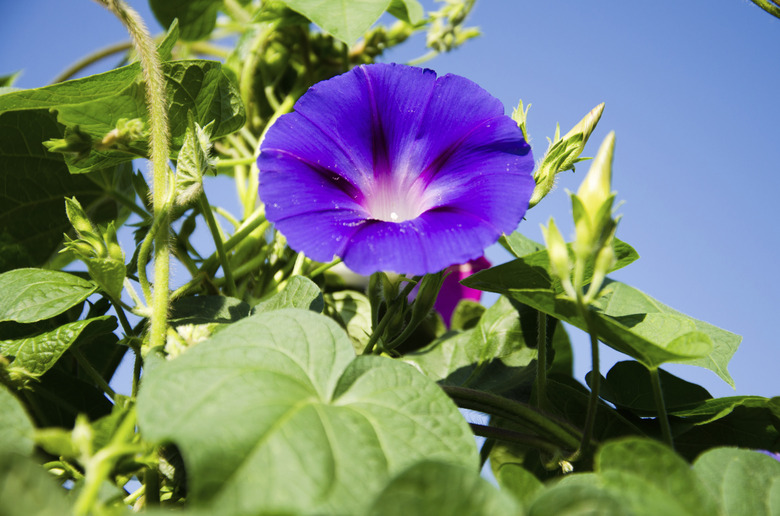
(393, 169)
(429, 243)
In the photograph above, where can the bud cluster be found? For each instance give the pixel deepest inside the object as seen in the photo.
(594, 227)
(447, 31)
(98, 248)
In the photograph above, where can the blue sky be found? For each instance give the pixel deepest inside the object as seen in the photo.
(690, 89)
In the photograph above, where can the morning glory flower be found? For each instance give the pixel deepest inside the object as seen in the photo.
(452, 292)
(394, 169)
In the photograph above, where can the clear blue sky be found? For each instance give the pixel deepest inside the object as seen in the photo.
(691, 90)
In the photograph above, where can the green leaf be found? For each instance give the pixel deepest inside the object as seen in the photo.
(207, 309)
(498, 355)
(35, 183)
(742, 482)
(32, 295)
(6, 81)
(165, 48)
(466, 314)
(651, 479)
(98, 103)
(16, 428)
(440, 488)
(519, 482)
(712, 409)
(519, 244)
(26, 489)
(276, 414)
(410, 11)
(570, 399)
(197, 18)
(299, 292)
(346, 20)
(33, 356)
(579, 495)
(627, 385)
(352, 310)
(745, 421)
(625, 318)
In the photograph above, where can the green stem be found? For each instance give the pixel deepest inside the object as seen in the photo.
(91, 59)
(205, 208)
(771, 7)
(208, 49)
(423, 58)
(137, 363)
(541, 424)
(541, 360)
(256, 220)
(502, 434)
(389, 315)
(229, 163)
(159, 137)
(324, 267)
(663, 418)
(237, 12)
(152, 484)
(120, 312)
(99, 466)
(92, 373)
(143, 257)
(128, 202)
(595, 384)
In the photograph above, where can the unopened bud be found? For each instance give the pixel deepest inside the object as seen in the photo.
(78, 217)
(558, 253)
(605, 260)
(564, 153)
(587, 124)
(596, 189)
(75, 143)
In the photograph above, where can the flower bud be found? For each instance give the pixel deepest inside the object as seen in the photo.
(586, 126)
(605, 260)
(75, 143)
(558, 252)
(564, 153)
(126, 132)
(596, 189)
(98, 248)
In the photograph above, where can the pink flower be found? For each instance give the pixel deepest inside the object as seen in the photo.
(452, 291)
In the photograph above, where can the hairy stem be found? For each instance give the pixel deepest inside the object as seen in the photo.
(159, 138)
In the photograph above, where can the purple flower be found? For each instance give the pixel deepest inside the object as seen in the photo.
(452, 291)
(394, 169)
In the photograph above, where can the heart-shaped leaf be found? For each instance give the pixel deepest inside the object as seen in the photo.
(16, 428)
(439, 488)
(346, 20)
(743, 482)
(311, 427)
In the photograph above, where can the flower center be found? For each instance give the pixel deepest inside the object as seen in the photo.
(391, 200)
